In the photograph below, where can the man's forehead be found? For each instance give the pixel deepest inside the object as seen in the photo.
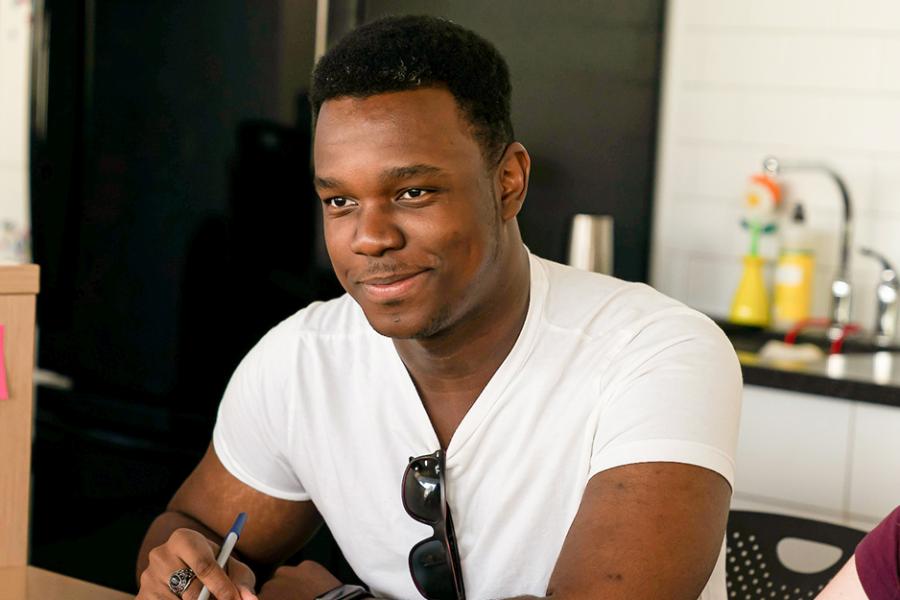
(395, 131)
(431, 106)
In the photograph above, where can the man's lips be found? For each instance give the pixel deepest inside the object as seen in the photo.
(389, 279)
(393, 286)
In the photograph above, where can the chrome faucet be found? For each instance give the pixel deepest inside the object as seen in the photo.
(840, 285)
(886, 297)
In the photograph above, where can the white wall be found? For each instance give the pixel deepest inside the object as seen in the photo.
(15, 49)
(805, 79)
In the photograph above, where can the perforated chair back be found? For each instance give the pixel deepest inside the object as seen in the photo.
(754, 571)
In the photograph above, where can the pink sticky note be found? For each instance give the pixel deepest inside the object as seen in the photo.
(4, 389)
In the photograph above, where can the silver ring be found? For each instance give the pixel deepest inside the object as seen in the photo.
(180, 580)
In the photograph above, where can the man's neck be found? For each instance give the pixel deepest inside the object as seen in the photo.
(460, 362)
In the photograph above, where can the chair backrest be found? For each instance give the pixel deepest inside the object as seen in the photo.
(754, 570)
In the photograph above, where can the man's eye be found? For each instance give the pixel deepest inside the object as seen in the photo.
(413, 194)
(339, 202)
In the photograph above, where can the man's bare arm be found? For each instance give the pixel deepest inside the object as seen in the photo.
(209, 499)
(647, 531)
(644, 532)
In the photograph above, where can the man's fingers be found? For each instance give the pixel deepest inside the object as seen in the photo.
(246, 594)
(210, 574)
(243, 577)
(154, 582)
(186, 543)
(186, 548)
(239, 573)
(199, 554)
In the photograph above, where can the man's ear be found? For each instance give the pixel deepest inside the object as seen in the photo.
(512, 180)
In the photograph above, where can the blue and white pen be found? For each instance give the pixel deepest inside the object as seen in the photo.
(227, 546)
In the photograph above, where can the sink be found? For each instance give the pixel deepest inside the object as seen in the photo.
(751, 339)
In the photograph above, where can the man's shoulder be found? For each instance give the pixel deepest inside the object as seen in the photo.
(329, 320)
(600, 305)
(315, 337)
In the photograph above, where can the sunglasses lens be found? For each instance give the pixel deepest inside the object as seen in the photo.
(422, 490)
(431, 570)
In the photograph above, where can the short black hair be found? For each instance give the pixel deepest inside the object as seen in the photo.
(408, 52)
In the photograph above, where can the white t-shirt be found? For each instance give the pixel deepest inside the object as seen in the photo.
(604, 373)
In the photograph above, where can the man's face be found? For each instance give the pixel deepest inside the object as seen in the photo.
(410, 219)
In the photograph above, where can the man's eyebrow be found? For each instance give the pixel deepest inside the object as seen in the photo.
(388, 175)
(406, 172)
(326, 183)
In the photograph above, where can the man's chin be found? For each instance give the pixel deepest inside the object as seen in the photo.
(400, 326)
(395, 331)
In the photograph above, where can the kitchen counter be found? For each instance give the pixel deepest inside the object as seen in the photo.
(867, 378)
(857, 374)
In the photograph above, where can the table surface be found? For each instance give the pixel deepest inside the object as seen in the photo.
(31, 583)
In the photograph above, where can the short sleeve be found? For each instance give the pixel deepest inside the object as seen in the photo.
(252, 432)
(878, 559)
(672, 394)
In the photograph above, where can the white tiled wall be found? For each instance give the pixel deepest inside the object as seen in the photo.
(805, 79)
(15, 16)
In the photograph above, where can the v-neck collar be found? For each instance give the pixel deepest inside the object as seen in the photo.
(492, 392)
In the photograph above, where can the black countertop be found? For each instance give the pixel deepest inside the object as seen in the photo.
(861, 373)
(850, 376)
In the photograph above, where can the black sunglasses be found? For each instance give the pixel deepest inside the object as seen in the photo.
(433, 562)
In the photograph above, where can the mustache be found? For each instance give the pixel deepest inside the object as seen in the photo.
(386, 269)
(379, 271)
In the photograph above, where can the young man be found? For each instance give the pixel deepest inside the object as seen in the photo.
(588, 424)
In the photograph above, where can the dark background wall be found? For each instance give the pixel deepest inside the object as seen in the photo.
(585, 79)
(174, 222)
(161, 91)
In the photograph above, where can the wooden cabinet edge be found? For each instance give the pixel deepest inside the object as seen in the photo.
(18, 289)
(20, 279)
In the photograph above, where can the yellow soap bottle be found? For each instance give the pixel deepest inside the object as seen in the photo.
(794, 272)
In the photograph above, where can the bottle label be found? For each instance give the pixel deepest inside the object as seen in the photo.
(789, 275)
(793, 287)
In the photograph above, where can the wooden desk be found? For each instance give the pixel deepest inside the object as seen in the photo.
(31, 583)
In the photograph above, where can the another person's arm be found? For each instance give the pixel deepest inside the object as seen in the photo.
(873, 572)
(197, 518)
(845, 585)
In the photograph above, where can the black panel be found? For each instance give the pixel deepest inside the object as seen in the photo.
(585, 97)
(174, 224)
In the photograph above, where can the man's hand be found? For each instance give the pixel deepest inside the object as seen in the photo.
(306, 581)
(276, 529)
(189, 548)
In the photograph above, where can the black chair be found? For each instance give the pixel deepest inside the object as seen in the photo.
(754, 571)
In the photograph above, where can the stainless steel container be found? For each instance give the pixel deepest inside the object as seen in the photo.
(591, 243)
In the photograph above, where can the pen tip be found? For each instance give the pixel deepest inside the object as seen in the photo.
(239, 523)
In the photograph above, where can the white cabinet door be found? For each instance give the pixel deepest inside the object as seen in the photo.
(875, 474)
(793, 449)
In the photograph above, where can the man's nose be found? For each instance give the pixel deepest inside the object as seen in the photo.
(376, 231)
